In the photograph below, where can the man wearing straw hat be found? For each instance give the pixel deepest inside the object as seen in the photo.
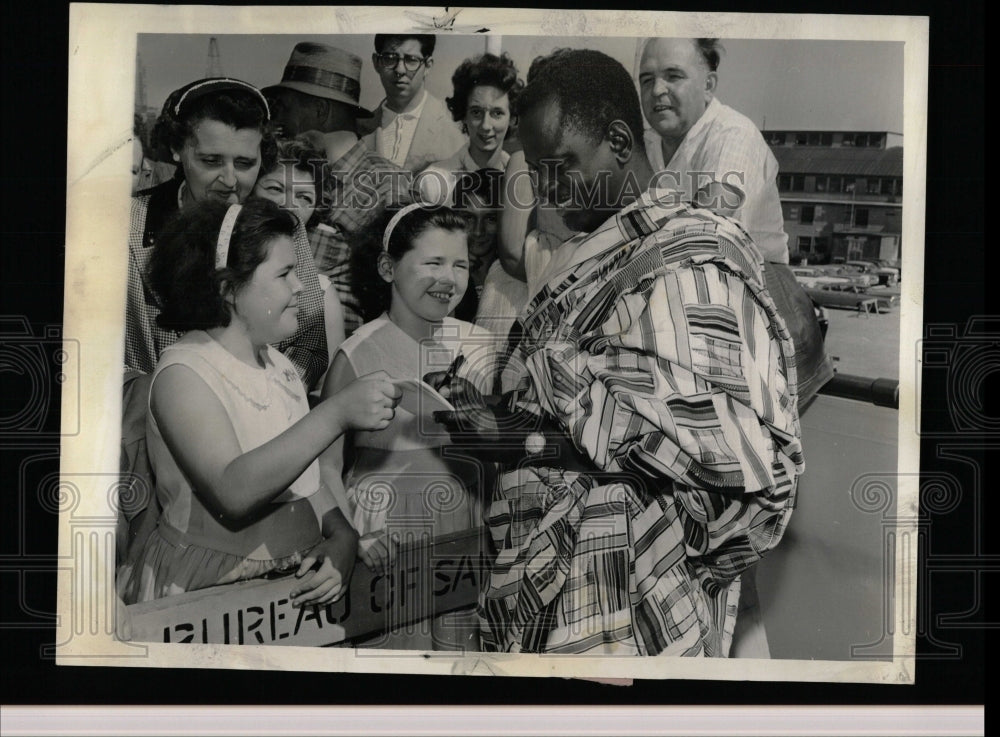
(320, 91)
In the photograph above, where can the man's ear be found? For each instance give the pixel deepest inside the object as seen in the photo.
(429, 62)
(620, 138)
(711, 82)
(321, 108)
(386, 267)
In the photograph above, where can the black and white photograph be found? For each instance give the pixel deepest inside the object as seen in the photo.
(494, 342)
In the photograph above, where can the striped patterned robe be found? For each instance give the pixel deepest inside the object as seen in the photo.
(662, 357)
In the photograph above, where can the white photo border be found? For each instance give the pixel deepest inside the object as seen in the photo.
(102, 50)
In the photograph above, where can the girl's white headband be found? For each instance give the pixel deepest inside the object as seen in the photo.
(395, 221)
(225, 235)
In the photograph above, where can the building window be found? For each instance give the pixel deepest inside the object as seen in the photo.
(798, 183)
(861, 139)
(836, 184)
(826, 139)
(808, 214)
(814, 139)
(805, 244)
(784, 182)
(899, 186)
(873, 185)
(861, 217)
(776, 139)
(801, 139)
(847, 140)
(888, 185)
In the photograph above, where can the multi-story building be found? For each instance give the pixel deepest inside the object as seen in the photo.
(841, 193)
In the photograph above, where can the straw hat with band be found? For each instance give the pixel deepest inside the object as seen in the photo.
(324, 71)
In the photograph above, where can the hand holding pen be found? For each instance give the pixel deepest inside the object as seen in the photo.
(449, 375)
(452, 387)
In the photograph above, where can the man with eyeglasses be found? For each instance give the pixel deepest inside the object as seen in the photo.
(412, 128)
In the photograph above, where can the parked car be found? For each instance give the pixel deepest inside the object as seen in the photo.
(853, 281)
(886, 275)
(813, 278)
(865, 277)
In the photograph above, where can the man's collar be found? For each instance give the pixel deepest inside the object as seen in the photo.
(389, 115)
(611, 231)
(711, 113)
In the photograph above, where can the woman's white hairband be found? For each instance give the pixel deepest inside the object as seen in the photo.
(223, 82)
(395, 221)
(225, 235)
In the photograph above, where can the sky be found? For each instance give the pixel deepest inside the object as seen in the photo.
(789, 84)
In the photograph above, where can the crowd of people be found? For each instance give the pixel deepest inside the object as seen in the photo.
(624, 350)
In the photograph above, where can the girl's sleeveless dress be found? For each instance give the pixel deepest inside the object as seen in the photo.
(191, 548)
(400, 479)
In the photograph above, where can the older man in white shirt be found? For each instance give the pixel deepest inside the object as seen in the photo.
(696, 140)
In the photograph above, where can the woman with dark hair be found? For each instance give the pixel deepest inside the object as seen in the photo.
(231, 440)
(217, 132)
(296, 179)
(298, 183)
(484, 101)
(398, 482)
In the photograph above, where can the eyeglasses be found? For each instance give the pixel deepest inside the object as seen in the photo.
(389, 60)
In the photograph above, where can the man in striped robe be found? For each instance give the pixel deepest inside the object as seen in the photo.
(648, 427)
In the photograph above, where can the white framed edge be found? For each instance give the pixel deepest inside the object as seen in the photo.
(460, 720)
(102, 47)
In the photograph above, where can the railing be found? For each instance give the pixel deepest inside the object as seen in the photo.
(880, 392)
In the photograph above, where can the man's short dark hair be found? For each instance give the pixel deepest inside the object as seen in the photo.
(591, 89)
(711, 51)
(384, 41)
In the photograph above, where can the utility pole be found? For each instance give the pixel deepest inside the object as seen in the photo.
(140, 86)
(214, 67)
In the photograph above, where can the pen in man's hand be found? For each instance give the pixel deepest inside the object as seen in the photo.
(452, 370)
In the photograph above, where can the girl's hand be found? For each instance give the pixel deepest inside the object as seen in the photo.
(327, 583)
(374, 550)
(367, 403)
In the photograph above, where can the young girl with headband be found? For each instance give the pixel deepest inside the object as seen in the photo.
(217, 132)
(231, 440)
(399, 483)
